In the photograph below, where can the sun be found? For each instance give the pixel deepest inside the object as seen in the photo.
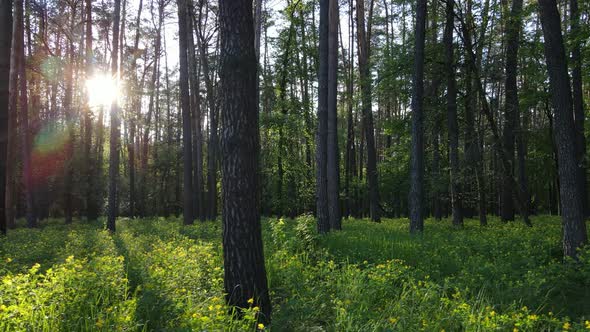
(103, 89)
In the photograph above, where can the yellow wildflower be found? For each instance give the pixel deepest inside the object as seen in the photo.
(8, 260)
(566, 326)
(587, 324)
(260, 326)
(250, 301)
(393, 320)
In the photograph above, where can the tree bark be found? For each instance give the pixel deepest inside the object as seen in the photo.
(5, 54)
(574, 226)
(195, 84)
(333, 159)
(186, 115)
(417, 148)
(350, 202)
(212, 153)
(245, 273)
(578, 101)
(323, 222)
(24, 115)
(511, 113)
(452, 123)
(114, 137)
(69, 110)
(364, 51)
(12, 114)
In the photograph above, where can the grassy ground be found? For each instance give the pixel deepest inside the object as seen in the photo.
(155, 274)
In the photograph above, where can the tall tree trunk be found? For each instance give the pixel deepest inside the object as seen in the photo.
(194, 81)
(114, 137)
(24, 115)
(578, 101)
(186, 115)
(511, 112)
(245, 273)
(212, 153)
(283, 102)
(12, 114)
(69, 110)
(91, 209)
(574, 226)
(323, 222)
(333, 159)
(350, 203)
(151, 106)
(417, 150)
(364, 51)
(5, 54)
(453, 126)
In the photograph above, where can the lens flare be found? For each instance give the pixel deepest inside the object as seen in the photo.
(103, 89)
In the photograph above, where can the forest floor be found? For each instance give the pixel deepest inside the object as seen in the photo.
(155, 274)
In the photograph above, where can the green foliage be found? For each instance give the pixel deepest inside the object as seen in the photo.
(155, 274)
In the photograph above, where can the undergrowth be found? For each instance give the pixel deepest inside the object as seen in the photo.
(155, 275)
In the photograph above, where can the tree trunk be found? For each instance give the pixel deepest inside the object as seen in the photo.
(364, 49)
(333, 159)
(69, 110)
(5, 54)
(574, 226)
(91, 209)
(151, 106)
(323, 222)
(245, 273)
(417, 147)
(12, 114)
(186, 115)
(213, 135)
(114, 137)
(194, 72)
(578, 101)
(350, 171)
(24, 115)
(511, 112)
(453, 126)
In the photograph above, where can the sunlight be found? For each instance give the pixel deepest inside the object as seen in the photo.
(103, 89)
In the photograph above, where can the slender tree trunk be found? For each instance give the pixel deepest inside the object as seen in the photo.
(578, 101)
(151, 106)
(511, 113)
(194, 81)
(213, 135)
(5, 55)
(91, 206)
(453, 126)
(115, 132)
(245, 273)
(417, 150)
(364, 51)
(333, 159)
(11, 147)
(350, 202)
(323, 222)
(69, 110)
(574, 226)
(24, 115)
(186, 115)
(135, 111)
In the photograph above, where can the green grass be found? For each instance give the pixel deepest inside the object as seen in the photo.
(156, 275)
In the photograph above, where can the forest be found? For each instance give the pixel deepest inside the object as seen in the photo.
(294, 165)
